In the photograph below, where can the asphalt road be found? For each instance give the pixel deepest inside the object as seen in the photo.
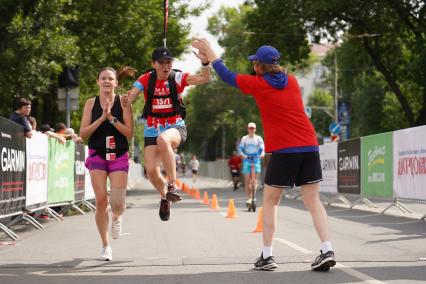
(200, 245)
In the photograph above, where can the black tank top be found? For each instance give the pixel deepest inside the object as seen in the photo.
(97, 140)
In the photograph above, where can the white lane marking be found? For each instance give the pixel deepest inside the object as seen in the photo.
(293, 246)
(361, 276)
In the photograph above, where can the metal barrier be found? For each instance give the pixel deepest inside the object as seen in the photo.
(388, 166)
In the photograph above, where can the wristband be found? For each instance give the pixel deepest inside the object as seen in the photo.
(205, 64)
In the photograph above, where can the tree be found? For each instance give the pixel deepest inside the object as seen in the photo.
(215, 109)
(321, 101)
(34, 48)
(40, 37)
(391, 33)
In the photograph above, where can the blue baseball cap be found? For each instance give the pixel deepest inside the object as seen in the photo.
(266, 54)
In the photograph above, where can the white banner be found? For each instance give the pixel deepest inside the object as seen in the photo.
(409, 163)
(37, 171)
(89, 194)
(134, 175)
(328, 156)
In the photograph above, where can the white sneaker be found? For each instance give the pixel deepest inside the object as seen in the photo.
(106, 254)
(116, 228)
(248, 201)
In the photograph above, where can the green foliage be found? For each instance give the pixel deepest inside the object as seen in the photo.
(40, 37)
(386, 35)
(322, 101)
(214, 108)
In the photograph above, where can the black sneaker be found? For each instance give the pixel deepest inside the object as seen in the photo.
(267, 264)
(171, 194)
(324, 261)
(164, 210)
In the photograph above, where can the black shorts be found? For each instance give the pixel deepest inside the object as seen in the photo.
(194, 172)
(150, 141)
(235, 173)
(288, 169)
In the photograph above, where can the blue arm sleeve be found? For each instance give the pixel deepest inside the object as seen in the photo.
(224, 73)
(138, 85)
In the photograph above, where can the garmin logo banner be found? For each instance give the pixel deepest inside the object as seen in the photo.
(349, 171)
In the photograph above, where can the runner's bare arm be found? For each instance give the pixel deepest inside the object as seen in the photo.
(199, 79)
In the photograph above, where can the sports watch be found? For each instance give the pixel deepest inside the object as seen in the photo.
(113, 120)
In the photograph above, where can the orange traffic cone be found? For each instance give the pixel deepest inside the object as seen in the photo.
(206, 198)
(197, 194)
(178, 184)
(185, 188)
(231, 210)
(259, 227)
(215, 204)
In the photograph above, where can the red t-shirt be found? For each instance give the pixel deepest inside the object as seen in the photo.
(160, 104)
(283, 116)
(235, 162)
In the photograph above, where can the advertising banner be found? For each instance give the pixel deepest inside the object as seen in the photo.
(328, 156)
(409, 166)
(79, 172)
(89, 194)
(348, 174)
(61, 171)
(37, 170)
(377, 165)
(13, 161)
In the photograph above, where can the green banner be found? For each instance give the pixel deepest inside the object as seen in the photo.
(61, 171)
(377, 165)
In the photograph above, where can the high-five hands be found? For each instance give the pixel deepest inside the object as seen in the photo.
(204, 48)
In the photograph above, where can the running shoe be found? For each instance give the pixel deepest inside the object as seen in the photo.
(267, 264)
(324, 261)
(106, 254)
(116, 228)
(164, 210)
(171, 194)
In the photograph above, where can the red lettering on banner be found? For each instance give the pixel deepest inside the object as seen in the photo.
(412, 166)
(37, 171)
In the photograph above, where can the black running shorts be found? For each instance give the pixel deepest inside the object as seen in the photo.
(152, 141)
(288, 169)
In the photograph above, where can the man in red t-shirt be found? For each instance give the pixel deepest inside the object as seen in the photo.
(164, 128)
(290, 137)
(234, 164)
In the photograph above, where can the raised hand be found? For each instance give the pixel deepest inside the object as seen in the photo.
(202, 56)
(204, 47)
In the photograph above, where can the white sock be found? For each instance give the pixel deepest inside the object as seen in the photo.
(326, 247)
(267, 252)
